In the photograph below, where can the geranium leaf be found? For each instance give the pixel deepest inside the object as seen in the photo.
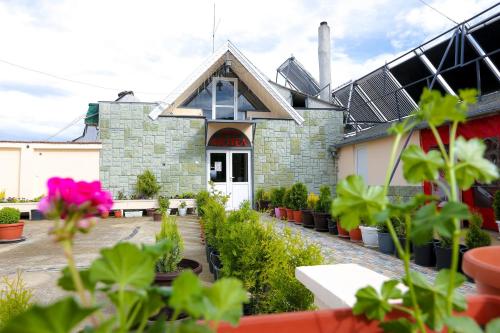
(59, 317)
(493, 326)
(472, 165)
(356, 200)
(436, 108)
(463, 325)
(373, 304)
(124, 264)
(419, 166)
(401, 325)
(66, 281)
(187, 294)
(225, 299)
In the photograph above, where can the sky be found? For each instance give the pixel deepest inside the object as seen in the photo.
(150, 47)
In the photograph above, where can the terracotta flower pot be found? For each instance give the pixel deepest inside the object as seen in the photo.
(307, 218)
(11, 231)
(342, 232)
(282, 213)
(117, 213)
(277, 213)
(482, 308)
(289, 215)
(104, 215)
(355, 235)
(483, 265)
(297, 216)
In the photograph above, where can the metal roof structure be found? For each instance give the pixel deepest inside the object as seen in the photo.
(298, 77)
(465, 56)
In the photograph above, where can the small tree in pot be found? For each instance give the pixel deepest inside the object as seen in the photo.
(10, 226)
(476, 237)
(298, 198)
(182, 209)
(289, 204)
(147, 186)
(279, 199)
(322, 211)
(163, 204)
(385, 242)
(307, 214)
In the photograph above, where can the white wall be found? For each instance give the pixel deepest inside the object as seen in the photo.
(26, 166)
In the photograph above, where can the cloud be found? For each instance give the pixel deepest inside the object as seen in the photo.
(151, 46)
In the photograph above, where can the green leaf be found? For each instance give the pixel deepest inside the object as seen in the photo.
(419, 166)
(193, 327)
(157, 249)
(401, 325)
(66, 281)
(463, 325)
(373, 304)
(124, 264)
(472, 165)
(226, 298)
(493, 326)
(435, 108)
(356, 200)
(105, 327)
(187, 294)
(60, 317)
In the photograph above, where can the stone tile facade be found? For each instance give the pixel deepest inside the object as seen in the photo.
(174, 149)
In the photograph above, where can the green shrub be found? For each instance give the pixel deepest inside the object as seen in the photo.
(277, 195)
(287, 203)
(15, 298)
(214, 217)
(476, 237)
(496, 205)
(325, 199)
(147, 185)
(312, 201)
(9, 215)
(163, 204)
(169, 261)
(201, 200)
(298, 196)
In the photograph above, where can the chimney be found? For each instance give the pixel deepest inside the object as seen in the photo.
(324, 58)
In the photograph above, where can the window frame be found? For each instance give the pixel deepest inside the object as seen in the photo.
(215, 80)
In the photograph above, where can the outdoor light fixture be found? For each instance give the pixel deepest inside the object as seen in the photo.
(219, 85)
(333, 151)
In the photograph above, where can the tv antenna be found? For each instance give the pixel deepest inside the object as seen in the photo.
(214, 30)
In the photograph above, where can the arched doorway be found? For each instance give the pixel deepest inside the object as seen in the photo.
(229, 165)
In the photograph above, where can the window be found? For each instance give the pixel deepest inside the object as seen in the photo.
(224, 103)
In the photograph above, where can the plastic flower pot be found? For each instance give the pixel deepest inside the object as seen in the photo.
(117, 213)
(277, 213)
(297, 216)
(483, 265)
(182, 211)
(307, 218)
(320, 221)
(289, 215)
(11, 231)
(424, 254)
(385, 243)
(216, 263)
(355, 235)
(369, 236)
(482, 308)
(282, 213)
(157, 216)
(443, 256)
(150, 212)
(342, 232)
(332, 227)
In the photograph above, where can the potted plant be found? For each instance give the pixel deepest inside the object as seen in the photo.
(275, 202)
(117, 213)
(281, 191)
(332, 226)
(496, 208)
(11, 228)
(298, 197)
(36, 214)
(444, 250)
(369, 235)
(385, 242)
(475, 236)
(322, 210)
(104, 215)
(262, 199)
(163, 204)
(307, 214)
(424, 254)
(400, 229)
(182, 209)
(146, 186)
(288, 204)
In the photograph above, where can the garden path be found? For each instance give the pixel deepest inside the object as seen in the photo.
(337, 250)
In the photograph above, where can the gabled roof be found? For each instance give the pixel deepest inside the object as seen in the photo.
(259, 83)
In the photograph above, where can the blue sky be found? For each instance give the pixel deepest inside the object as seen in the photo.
(151, 46)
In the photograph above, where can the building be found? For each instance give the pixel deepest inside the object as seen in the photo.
(466, 56)
(226, 123)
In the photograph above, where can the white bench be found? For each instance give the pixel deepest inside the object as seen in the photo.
(335, 286)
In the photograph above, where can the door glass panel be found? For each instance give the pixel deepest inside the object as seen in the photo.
(240, 167)
(218, 167)
(224, 93)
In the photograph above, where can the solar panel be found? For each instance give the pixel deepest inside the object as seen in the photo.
(299, 77)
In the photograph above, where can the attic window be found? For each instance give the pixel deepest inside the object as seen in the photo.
(298, 100)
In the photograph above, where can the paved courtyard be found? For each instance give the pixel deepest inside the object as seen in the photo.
(40, 259)
(337, 250)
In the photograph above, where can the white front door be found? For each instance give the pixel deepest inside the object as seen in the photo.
(231, 174)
